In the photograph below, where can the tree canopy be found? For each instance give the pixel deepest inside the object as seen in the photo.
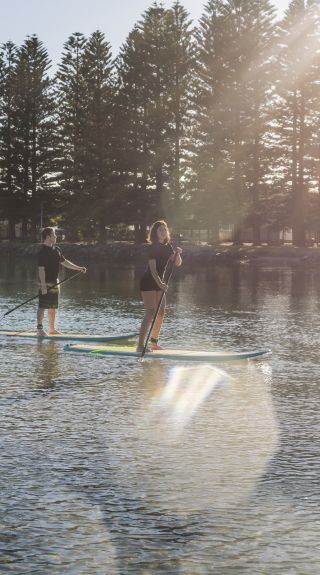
(206, 125)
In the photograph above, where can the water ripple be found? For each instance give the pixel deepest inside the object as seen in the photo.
(116, 467)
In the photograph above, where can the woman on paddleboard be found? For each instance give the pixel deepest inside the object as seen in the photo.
(152, 284)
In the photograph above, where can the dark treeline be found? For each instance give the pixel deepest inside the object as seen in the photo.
(206, 126)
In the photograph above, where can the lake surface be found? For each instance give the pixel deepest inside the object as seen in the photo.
(113, 467)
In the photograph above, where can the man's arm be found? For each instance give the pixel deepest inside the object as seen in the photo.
(72, 266)
(42, 278)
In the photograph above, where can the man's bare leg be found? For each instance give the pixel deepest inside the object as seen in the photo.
(40, 315)
(51, 320)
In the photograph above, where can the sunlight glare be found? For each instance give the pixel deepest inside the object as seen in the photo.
(187, 389)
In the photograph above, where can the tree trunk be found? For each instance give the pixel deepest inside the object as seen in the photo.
(24, 229)
(12, 229)
(102, 231)
(237, 236)
(298, 223)
(140, 233)
(215, 238)
(34, 230)
(256, 234)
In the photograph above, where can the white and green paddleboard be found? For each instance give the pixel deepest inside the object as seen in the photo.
(69, 336)
(176, 354)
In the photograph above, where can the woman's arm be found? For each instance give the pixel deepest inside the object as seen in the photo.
(176, 257)
(155, 275)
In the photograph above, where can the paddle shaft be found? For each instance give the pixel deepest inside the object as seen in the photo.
(157, 310)
(35, 296)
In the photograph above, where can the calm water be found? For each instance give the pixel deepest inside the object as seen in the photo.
(112, 467)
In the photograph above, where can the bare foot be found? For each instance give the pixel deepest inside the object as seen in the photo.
(41, 333)
(140, 349)
(156, 347)
(55, 332)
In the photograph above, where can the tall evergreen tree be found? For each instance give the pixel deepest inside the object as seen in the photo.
(299, 93)
(180, 103)
(133, 156)
(314, 118)
(234, 40)
(143, 88)
(71, 97)
(156, 36)
(210, 202)
(154, 74)
(99, 142)
(34, 110)
(258, 80)
(9, 193)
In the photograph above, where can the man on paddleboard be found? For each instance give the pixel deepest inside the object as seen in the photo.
(49, 260)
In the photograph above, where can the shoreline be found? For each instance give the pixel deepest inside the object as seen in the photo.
(128, 252)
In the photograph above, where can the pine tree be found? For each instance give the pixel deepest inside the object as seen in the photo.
(34, 129)
(154, 92)
(9, 193)
(99, 142)
(314, 119)
(157, 74)
(131, 133)
(180, 106)
(143, 68)
(210, 202)
(71, 97)
(299, 93)
(258, 85)
(234, 82)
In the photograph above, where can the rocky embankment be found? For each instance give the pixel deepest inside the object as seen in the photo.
(127, 252)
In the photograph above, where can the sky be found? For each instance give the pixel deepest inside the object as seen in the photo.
(53, 21)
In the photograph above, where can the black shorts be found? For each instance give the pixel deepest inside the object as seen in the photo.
(147, 283)
(50, 300)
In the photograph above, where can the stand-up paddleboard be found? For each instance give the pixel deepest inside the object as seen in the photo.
(69, 336)
(177, 354)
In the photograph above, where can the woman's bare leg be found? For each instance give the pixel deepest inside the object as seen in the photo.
(158, 323)
(151, 301)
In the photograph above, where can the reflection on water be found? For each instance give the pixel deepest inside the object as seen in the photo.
(47, 368)
(186, 390)
(214, 444)
(113, 466)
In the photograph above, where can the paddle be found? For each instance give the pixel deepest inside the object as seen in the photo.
(35, 296)
(157, 310)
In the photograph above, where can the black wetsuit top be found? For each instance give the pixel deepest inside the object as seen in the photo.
(161, 253)
(50, 258)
